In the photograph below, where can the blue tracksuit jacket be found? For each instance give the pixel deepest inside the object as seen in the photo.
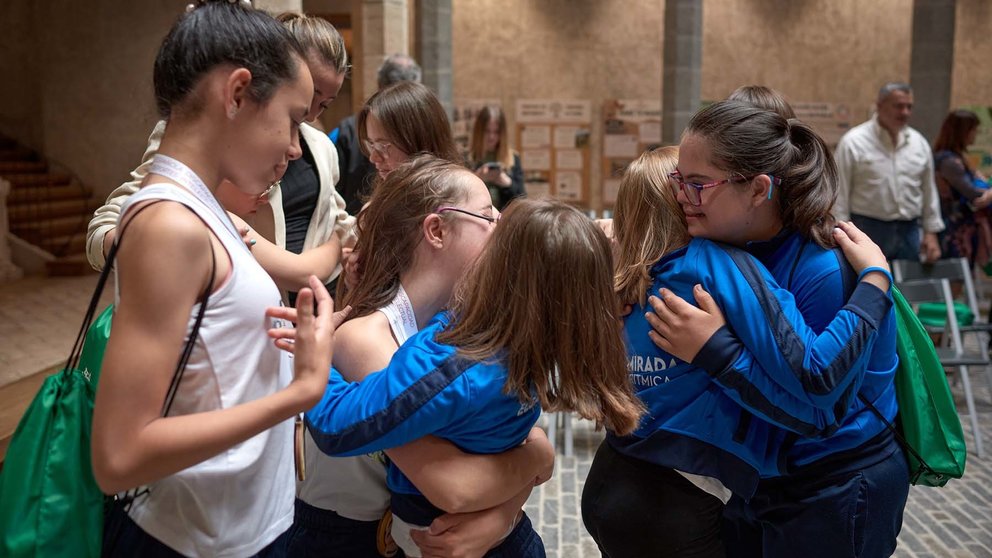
(701, 423)
(821, 281)
(426, 389)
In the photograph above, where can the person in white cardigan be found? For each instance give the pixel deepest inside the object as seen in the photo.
(329, 225)
(330, 222)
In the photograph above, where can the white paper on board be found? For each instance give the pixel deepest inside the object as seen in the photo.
(620, 145)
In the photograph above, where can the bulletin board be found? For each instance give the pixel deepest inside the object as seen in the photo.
(631, 126)
(829, 120)
(553, 141)
(463, 120)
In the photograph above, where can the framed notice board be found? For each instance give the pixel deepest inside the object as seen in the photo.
(553, 140)
(630, 126)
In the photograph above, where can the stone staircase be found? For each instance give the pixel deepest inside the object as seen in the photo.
(47, 208)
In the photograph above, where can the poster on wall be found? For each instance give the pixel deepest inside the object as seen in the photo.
(630, 127)
(463, 120)
(829, 120)
(553, 140)
(980, 153)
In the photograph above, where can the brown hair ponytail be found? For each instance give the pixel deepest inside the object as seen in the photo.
(752, 141)
(809, 186)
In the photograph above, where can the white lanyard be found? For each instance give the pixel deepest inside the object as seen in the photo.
(179, 173)
(401, 318)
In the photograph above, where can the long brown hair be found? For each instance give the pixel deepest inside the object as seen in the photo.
(389, 228)
(954, 132)
(414, 119)
(542, 295)
(752, 141)
(647, 223)
(477, 151)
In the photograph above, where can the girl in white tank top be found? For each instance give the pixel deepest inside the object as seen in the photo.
(217, 467)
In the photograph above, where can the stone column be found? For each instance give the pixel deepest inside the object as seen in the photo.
(8, 271)
(931, 63)
(434, 47)
(682, 66)
(381, 29)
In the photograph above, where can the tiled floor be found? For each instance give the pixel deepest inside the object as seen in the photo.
(39, 319)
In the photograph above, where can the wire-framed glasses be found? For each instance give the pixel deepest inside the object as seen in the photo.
(694, 190)
(487, 218)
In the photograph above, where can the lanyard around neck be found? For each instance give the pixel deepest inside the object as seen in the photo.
(179, 173)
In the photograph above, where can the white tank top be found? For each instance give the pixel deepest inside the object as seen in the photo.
(239, 501)
(355, 487)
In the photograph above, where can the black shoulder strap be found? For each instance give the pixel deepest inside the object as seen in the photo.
(77, 348)
(177, 376)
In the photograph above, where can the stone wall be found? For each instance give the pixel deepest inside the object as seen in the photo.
(839, 51)
(972, 77)
(77, 75)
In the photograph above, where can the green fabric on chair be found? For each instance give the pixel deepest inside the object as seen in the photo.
(934, 314)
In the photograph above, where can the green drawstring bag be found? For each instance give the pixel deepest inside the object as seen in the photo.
(50, 504)
(934, 314)
(929, 426)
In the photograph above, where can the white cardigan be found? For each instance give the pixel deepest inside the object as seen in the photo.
(329, 217)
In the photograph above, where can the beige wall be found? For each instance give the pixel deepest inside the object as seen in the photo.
(521, 49)
(77, 75)
(85, 98)
(838, 51)
(20, 106)
(972, 77)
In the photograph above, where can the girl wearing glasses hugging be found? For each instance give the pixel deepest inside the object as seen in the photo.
(730, 403)
(429, 219)
(479, 375)
(342, 507)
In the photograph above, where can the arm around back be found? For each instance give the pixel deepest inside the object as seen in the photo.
(103, 225)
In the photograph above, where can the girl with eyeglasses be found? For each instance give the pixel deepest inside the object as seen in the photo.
(664, 487)
(850, 479)
(401, 121)
(429, 219)
(479, 374)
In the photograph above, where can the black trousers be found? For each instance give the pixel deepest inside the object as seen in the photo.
(635, 509)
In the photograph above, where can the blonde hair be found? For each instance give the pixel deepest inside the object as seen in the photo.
(317, 37)
(648, 221)
(551, 315)
(504, 155)
(389, 228)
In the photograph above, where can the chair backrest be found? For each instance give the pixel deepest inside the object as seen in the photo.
(917, 291)
(952, 269)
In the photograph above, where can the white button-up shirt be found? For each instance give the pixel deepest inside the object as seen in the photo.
(886, 182)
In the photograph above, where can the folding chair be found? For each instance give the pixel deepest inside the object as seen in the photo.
(954, 356)
(956, 271)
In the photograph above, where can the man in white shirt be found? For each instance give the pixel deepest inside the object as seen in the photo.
(886, 182)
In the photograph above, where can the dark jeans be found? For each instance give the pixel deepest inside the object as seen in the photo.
(522, 542)
(635, 509)
(318, 532)
(856, 514)
(122, 537)
(899, 240)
